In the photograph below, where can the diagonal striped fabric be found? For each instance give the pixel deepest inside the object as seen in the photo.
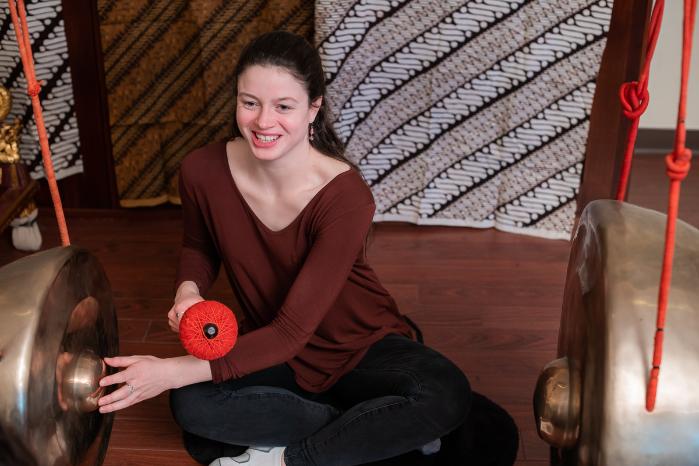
(168, 68)
(50, 49)
(466, 113)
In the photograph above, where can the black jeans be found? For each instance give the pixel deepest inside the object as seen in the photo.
(401, 396)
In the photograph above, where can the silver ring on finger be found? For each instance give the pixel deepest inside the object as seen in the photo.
(131, 388)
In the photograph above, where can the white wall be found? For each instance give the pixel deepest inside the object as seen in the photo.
(664, 85)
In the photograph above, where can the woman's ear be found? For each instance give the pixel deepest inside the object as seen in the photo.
(315, 108)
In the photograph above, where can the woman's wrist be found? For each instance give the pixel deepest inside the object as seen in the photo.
(188, 370)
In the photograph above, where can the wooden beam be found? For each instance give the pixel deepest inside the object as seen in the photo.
(621, 62)
(96, 186)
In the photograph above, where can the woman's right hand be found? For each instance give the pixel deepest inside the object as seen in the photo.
(186, 297)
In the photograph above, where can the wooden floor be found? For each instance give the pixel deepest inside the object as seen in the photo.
(488, 300)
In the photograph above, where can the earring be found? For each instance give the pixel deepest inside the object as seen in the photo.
(311, 132)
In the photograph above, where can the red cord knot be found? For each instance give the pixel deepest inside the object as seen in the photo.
(634, 100)
(678, 165)
(34, 90)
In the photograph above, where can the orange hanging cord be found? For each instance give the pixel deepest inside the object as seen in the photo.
(19, 20)
(677, 163)
(634, 97)
(634, 100)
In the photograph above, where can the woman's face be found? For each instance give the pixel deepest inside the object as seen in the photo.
(273, 111)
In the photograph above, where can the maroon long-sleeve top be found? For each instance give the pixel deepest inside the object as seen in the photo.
(308, 296)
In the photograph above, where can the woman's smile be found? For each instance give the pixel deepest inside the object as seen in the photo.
(263, 140)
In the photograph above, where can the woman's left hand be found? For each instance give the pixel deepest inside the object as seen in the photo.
(143, 377)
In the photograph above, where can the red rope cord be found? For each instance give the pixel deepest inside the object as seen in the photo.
(19, 20)
(678, 164)
(634, 98)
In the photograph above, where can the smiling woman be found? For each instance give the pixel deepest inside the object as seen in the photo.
(263, 73)
(273, 112)
(326, 370)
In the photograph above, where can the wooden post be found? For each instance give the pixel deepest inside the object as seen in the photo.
(621, 61)
(96, 186)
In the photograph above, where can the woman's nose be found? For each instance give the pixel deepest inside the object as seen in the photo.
(264, 119)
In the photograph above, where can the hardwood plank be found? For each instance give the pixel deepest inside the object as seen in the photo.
(453, 334)
(486, 293)
(507, 317)
(534, 447)
(133, 329)
(143, 434)
(161, 350)
(160, 332)
(452, 313)
(142, 308)
(147, 457)
(157, 408)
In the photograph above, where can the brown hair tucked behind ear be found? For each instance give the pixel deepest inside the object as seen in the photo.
(301, 60)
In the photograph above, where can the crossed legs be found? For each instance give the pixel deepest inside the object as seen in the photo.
(402, 395)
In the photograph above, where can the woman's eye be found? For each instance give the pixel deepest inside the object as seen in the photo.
(284, 108)
(249, 104)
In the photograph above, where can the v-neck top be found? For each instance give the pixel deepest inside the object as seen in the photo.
(306, 293)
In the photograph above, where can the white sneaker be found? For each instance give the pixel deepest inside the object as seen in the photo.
(431, 448)
(254, 456)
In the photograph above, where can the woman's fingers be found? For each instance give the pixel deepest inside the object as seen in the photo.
(118, 394)
(174, 325)
(121, 361)
(182, 304)
(173, 319)
(119, 377)
(119, 399)
(123, 375)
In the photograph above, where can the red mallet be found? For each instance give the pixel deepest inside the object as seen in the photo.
(208, 330)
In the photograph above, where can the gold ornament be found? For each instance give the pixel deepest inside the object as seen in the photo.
(9, 133)
(5, 103)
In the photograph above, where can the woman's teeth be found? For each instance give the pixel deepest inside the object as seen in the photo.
(264, 138)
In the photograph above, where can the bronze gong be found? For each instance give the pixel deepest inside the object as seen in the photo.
(57, 322)
(590, 403)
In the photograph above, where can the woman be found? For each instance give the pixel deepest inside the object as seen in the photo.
(324, 372)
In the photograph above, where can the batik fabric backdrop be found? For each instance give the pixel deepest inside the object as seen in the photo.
(48, 40)
(470, 113)
(169, 75)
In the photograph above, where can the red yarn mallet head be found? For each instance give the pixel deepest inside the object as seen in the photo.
(208, 330)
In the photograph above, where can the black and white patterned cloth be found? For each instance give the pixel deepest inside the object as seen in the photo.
(466, 113)
(47, 35)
